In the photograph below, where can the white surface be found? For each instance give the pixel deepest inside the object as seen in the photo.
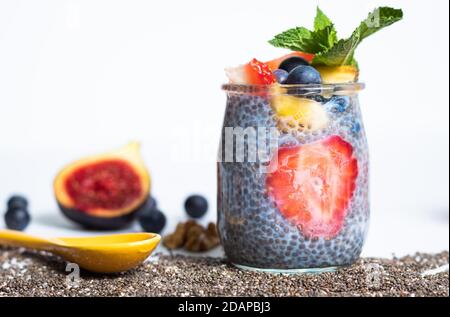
(80, 77)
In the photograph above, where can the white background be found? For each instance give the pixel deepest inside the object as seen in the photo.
(81, 77)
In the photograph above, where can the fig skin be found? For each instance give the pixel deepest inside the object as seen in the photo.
(91, 222)
(105, 219)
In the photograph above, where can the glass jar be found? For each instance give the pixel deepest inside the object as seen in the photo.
(293, 177)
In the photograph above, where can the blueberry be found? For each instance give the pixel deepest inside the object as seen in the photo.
(281, 75)
(355, 127)
(351, 124)
(17, 201)
(149, 206)
(152, 203)
(17, 219)
(304, 75)
(339, 103)
(290, 63)
(196, 206)
(319, 98)
(152, 221)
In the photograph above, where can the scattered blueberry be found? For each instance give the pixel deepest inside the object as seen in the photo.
(17, 201)
(149, 206)
(290, 63)
(339, 103)
(17, 219)
(196, 206)
(281, 75)
(304, 75)
(152, 221)
(152, 203)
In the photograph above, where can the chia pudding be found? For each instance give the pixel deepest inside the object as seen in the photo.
(293, 216)
(293, 166)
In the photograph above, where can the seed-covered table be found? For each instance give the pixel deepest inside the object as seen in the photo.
(25, 273)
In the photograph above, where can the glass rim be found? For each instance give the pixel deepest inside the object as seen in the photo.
(300, 89)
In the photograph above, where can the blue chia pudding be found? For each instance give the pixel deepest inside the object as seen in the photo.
(307, 206)
(297, 197)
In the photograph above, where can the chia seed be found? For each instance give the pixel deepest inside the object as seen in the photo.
(27, 273)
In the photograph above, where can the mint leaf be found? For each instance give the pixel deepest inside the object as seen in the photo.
(324, 32)
(342, 53)
(378, 19)
(297, 39)
(322, 38)
(325, 38)
(321, 21)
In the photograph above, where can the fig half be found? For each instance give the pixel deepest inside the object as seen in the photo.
(105, 191)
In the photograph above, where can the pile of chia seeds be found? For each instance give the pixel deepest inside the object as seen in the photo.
(26, 273)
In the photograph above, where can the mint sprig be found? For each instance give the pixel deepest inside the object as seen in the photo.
(321, 21)
(326, 37)
(323, 41)
(324, 32)
(297, 39)
(343, 52)
(322, 38)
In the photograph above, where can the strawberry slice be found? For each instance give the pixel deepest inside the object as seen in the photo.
(312, 185)
(252, 73)
(273, 64)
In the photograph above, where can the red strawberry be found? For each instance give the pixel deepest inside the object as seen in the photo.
(252, 73)
(313, 184)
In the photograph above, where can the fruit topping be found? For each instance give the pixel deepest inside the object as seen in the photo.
(290, 63)
(17, 201)
(252, 73)
(17, 218)
(299, 113)
(275, 63)
(312, 185)
(338, 74)
(104, 191)
(193, 237)
(196, 206)
(281, 75)
(303, 75)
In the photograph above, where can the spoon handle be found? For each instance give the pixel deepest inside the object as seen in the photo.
(18, 239)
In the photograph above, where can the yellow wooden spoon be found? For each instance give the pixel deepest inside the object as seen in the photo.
(101, 254)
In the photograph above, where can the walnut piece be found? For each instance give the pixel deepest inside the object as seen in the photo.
(193, 237)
